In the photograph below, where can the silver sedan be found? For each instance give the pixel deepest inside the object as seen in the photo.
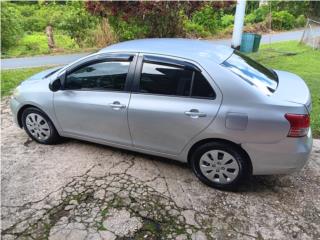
(226, 115)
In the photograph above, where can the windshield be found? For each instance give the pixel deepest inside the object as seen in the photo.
(252, 72)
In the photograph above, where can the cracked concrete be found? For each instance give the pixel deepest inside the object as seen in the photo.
(79, 190)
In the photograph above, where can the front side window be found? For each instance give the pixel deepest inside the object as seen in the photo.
(252, 72)
(99, 76)
(172, 80)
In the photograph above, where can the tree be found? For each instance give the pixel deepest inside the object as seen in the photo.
(155, 18)
(11, 28)
(49, 32)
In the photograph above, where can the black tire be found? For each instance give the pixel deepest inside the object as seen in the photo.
(235, 151)
(53, 134)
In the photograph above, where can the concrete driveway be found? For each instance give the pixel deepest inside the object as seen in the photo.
(78, 190)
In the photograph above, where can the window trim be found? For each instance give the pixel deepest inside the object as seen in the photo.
(170, 62)
(131, 58)
(167, 61)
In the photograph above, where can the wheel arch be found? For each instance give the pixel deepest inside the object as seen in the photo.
(220, 140)
(24, 107)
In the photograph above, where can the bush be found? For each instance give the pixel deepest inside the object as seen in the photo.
(261, 13)
(33, 21)
(207, 18)
(250, 18)
(227, 20)
(282, 20)
(11, 26)
(127, 30)
(258, 15)
(77, 21)
(37, 43)
(135, 19)
(70, 17)
(300, 21)
(195, 30)
(103, 35)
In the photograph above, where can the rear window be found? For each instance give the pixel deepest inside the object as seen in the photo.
(252, 72)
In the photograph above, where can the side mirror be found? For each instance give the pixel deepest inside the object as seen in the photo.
(55, 85)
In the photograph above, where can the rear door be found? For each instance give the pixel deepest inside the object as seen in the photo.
(172, 101)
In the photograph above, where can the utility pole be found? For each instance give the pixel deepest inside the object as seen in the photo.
(238, 24)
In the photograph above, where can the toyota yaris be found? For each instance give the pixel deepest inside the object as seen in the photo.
(211, 106)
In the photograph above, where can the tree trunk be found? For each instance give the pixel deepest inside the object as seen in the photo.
(49, 32)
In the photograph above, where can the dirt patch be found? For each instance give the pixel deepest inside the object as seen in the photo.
(78, 190)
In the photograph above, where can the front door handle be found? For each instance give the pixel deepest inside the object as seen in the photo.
(194, 113)
(116, 105)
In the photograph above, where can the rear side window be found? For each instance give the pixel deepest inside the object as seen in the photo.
(201, 88)
(175, 81)
(99, 76)
(252, 72)
(166, 80)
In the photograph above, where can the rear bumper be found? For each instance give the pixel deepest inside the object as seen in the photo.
(286, 156)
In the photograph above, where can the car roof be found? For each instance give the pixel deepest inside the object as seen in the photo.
(197, 50)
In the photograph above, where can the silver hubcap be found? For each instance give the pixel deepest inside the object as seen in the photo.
(38, 126)
(219, 166)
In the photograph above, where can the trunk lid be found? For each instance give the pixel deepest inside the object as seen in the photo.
(292, 88)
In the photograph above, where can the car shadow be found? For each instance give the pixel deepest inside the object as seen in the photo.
(253, 184)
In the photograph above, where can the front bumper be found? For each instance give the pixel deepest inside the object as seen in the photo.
(15, 106)
(286, 156)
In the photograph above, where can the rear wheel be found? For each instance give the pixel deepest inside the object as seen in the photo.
(39, 127)
(220, 165)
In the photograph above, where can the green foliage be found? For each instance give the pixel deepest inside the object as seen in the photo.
(36, 16)
(77, 21)
(70, 17)
(282, 20)
(11, 29)
(195, 29)
(295, 8)
(85, 24)
(258, 15)
(300, 21)
(261, 13)
(227, 20)
(208, 18)
(127, 30)
(36, 43)
(205, 22)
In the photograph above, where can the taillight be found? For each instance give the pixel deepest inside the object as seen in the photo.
(299, 124)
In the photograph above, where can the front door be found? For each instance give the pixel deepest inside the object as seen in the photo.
(94, 102)
(171, 104)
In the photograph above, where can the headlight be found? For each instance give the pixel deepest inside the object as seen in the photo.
(16, 92)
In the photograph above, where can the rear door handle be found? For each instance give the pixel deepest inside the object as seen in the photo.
(116, 105)
(194, 113)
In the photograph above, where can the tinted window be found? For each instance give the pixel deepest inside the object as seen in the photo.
(201, 88)
(104, 75)
(252, 72)
(163, 79)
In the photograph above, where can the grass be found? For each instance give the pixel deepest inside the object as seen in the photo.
(288, 56)
(301, 60)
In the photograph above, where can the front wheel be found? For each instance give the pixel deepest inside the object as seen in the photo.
(220, 165)
(39, 127)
